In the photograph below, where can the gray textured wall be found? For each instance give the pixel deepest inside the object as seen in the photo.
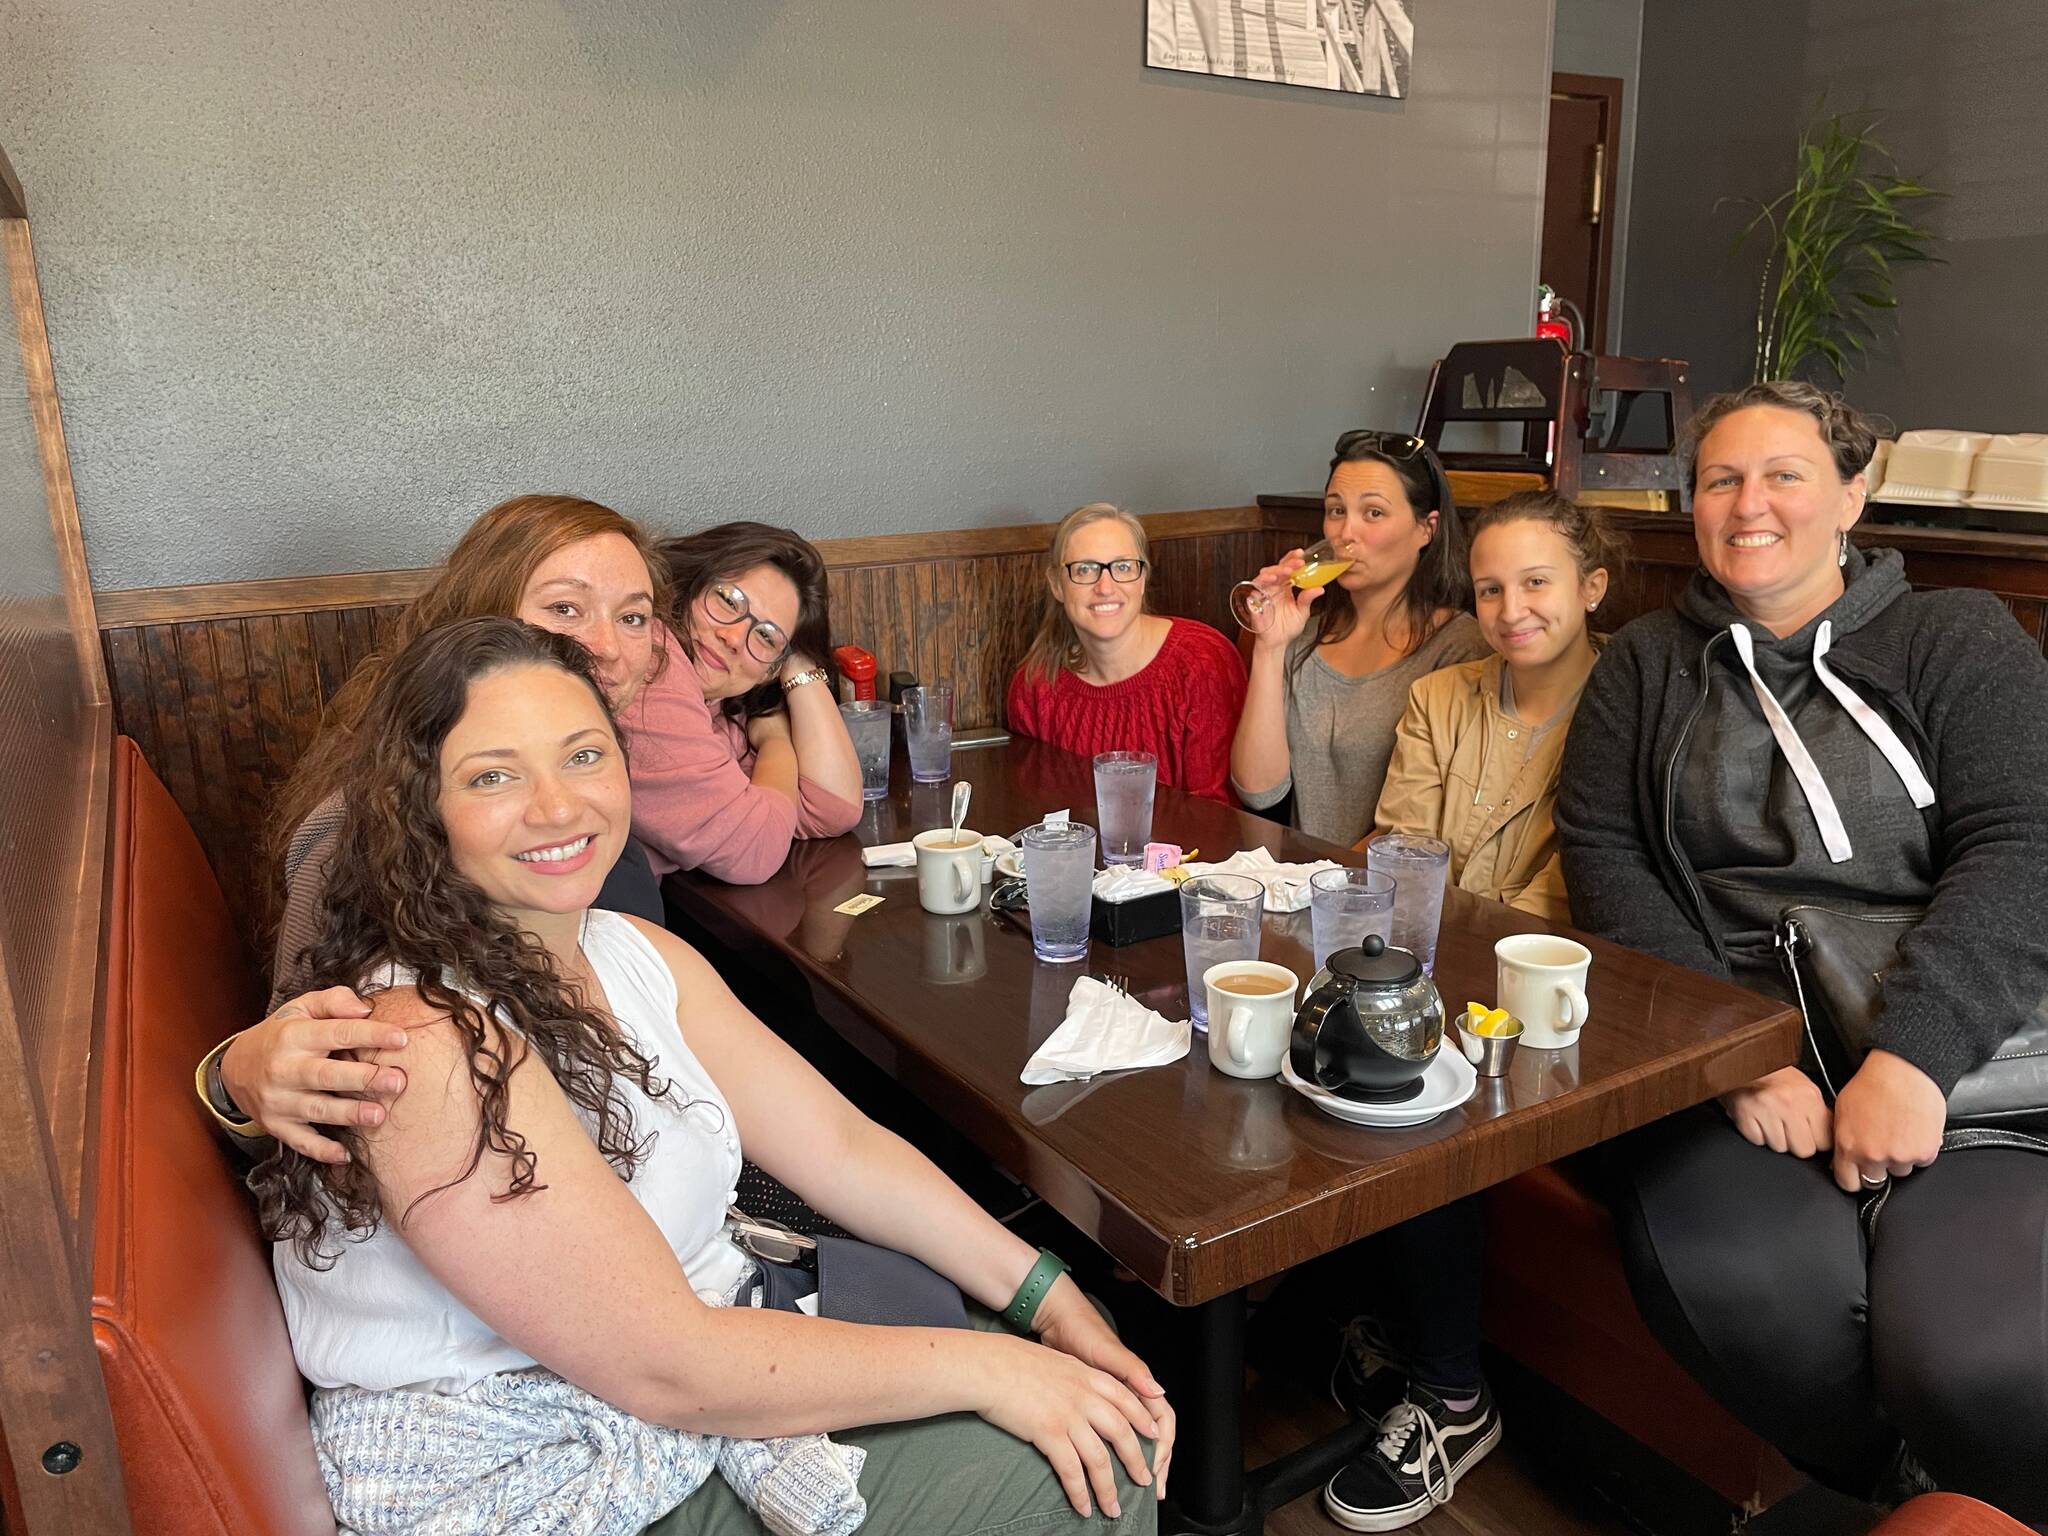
(325, 280)
(1959, 84)
(1605, 37)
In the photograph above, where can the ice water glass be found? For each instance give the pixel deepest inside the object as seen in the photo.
(1220, 917)
(928, 731)
(1419, 868)
(867, 722)
(1347, 904)
(1059, 881)
(1124, 782)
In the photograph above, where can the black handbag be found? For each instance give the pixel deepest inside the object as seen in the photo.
(1836, 963)
(855, 1282)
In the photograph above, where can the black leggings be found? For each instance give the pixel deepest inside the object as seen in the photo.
(1750, 1267)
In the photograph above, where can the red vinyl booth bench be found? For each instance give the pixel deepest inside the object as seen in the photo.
(209, 1408)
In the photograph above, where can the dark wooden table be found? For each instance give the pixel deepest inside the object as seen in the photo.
(1199, 1183)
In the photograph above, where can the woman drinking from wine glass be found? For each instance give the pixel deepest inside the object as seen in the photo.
(1332, 664)
(1105, 675)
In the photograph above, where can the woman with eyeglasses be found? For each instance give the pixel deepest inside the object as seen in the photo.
(1105, 675)
(723, 778)
(1332, 665)
(743, 750)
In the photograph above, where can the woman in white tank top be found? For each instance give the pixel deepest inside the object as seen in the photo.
(515, 1298)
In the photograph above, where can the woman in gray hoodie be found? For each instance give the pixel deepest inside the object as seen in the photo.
(1805, 727)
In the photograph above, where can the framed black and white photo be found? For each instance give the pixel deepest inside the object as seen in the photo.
(1361, 46)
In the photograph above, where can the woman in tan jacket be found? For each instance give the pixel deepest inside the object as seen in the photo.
(1476, 754)
(1475, 763)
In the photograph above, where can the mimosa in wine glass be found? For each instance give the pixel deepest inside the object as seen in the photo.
(1322, 563)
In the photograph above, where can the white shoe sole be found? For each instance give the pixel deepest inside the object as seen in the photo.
(1402, 1516)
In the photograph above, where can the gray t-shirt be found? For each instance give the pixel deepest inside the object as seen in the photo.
(1340, 731)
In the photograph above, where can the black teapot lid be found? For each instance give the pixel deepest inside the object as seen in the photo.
(1377, 962)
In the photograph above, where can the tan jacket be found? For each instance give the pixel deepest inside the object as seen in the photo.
(1458, 773)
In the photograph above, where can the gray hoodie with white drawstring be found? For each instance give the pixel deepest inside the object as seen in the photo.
(1893, 752)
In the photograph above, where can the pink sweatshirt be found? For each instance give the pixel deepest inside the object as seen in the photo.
(694, 801)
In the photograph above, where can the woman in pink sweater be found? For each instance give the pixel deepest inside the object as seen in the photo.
(739, 748)
(736, 748)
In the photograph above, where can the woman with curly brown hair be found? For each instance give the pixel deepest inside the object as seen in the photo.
(520, 1294)
(730, 767)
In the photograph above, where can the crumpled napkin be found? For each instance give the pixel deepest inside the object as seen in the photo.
(1125, 882)
(1286, 884)
(1105, 1031)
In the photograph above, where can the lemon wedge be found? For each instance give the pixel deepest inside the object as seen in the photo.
(1488, 1021)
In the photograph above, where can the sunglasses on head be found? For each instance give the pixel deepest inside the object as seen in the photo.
(1395, 445)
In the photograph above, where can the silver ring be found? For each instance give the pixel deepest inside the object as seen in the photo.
(1870, 1183)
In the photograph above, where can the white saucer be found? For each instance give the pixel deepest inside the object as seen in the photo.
(1447, 1082)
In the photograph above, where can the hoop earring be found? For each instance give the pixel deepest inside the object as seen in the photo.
(1842, 551)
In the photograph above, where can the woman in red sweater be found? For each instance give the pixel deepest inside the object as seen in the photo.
(1103, 675)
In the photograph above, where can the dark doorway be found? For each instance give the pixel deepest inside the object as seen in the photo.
(1578, 195)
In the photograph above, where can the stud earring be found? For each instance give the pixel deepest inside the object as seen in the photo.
(1591, 606)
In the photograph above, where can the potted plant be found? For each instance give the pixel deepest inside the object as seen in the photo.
(1834, 240)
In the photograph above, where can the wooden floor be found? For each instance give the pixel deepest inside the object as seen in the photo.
(1505, 1495)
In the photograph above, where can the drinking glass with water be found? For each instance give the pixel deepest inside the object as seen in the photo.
(867, 722)
(1220, 917)
(928, 731)
(1419, 867)
(1347, 904)
(1124, 786)
(1059, 880)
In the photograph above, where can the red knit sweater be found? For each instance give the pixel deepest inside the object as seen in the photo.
(1182, 708)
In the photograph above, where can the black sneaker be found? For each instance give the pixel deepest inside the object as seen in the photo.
(1414, 1466)
(1370, 1376)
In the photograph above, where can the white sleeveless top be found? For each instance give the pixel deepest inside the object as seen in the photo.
(379, 1319)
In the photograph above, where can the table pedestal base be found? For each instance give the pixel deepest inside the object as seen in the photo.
(1213, 1493)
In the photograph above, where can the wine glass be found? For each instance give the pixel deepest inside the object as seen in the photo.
(1322, 563)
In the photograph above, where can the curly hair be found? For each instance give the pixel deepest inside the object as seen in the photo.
(696, 561)
(395, 898)
(1850, 434)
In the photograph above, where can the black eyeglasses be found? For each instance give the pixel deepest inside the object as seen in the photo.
(727, 604)
(1395, 445)
(1085, 573)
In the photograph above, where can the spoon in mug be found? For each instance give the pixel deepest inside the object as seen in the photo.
(961, 792)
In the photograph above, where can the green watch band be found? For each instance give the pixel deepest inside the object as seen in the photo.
(1023, 1306)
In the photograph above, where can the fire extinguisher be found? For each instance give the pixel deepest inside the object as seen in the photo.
(1558, 318)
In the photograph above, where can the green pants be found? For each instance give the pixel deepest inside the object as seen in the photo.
(953, 1476)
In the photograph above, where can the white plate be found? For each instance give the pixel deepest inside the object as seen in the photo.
(1447, 1082)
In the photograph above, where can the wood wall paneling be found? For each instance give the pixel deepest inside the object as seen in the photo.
(221, 687)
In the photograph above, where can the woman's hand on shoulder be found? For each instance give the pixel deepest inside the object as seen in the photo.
(1888, 1121)
(1784, 1112)
(1078, 1416)
(287, 1073)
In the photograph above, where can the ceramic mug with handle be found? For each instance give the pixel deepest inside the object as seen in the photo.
(1542, 981)
(1251, 1016)
(948, 870)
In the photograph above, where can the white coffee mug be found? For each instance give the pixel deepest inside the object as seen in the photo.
(1541, 980)
(948, 879)
(1249, 1031)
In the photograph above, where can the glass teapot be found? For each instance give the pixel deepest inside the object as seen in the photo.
(1369, 1025)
